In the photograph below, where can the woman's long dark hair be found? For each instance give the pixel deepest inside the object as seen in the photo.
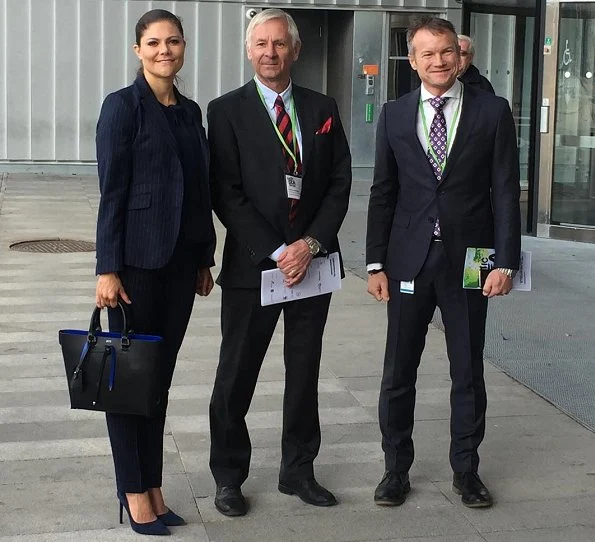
(155, 16)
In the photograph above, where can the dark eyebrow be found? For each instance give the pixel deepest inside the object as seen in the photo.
(168, 37)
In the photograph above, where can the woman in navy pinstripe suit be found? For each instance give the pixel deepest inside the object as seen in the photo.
(155, 240)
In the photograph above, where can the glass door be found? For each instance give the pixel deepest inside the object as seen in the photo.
(573, 172)
(504, 45)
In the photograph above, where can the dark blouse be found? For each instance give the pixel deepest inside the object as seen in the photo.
(196, 210)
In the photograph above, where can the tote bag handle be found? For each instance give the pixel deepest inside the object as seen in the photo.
(95, 326)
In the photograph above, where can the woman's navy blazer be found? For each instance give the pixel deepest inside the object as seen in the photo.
(141, 179)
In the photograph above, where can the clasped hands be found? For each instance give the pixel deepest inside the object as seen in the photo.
(294, 262)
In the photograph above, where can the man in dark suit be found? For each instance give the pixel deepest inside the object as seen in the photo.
(468, 73)
(281, 176)
(446, 178)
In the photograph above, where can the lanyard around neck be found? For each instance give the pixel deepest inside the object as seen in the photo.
(449, 133)
(293, 153)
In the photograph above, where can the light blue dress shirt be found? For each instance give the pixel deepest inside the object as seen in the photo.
(269, 99)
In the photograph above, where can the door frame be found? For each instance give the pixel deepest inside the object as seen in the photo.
(535, 150)
(545, 228)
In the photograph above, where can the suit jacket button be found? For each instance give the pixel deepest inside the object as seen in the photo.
(431, 219)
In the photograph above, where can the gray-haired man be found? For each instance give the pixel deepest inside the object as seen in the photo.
(280, 176)
(468, 73)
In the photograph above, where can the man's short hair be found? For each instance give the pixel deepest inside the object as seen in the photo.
(435, 25)
(469, 40)
(274, 13)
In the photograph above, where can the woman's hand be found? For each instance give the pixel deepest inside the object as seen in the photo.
(204, 281)
(109, 290)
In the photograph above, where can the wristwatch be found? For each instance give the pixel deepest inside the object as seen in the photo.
(510, 273)
(313, 245)
(374, 271)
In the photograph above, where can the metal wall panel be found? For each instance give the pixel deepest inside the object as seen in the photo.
(42, 78)
(116, 44)
(66, 80)
(230, 62)
(208, 42)
(18, 79)
(62, 57)
(3, 82)
(90, 81)
(188, 78)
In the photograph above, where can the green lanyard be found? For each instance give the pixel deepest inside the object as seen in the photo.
(293, 153)
(449, 133)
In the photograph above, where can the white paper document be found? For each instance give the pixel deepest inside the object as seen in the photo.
(322, 277)
(479, 262)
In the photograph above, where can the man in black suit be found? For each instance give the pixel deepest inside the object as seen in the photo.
(446, 177)
(281, 176)
(468, 73)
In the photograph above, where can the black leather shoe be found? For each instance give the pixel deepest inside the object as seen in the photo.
(230, 501)
(310, 491)
(474, 493)
(392, 489)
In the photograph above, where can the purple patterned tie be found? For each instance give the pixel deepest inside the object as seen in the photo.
(438, 143)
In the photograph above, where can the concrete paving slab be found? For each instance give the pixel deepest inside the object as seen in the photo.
(552, 513)
(335, 524)
(539, 463)
(44, 507)
(457, 538)
(64, 448)
(194, 533)
(570, 534)
(87, 468)
(24, 432)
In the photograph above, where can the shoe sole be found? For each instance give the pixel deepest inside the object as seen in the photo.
(288, 491)
(393, 502)
(229, 513)
(472, 505)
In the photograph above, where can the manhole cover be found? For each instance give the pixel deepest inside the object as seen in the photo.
(53, 246)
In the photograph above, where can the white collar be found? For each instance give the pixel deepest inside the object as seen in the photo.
(270, 95)
(452, 92)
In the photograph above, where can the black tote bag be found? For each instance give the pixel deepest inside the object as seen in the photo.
(112, 372)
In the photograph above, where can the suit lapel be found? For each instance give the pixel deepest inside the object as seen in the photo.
(469, 112)
(410, 119)
(259, 122)
(304, 113)
(154, 112)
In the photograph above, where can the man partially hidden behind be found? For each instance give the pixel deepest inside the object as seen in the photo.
(281, 176)
(468, 73)
(446, 177)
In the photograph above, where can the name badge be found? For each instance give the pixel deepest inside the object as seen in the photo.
(407, 287)
(293, 183)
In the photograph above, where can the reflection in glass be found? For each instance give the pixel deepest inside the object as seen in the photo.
(401, 77)
(504, 54)
(573, 191)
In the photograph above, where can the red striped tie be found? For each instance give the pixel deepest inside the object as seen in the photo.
(286, 130)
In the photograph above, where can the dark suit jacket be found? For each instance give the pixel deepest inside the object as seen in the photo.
(473, 78)
(248, 184)
(141, 179)
(477, 200)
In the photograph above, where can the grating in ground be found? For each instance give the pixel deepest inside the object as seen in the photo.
(53, 246)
